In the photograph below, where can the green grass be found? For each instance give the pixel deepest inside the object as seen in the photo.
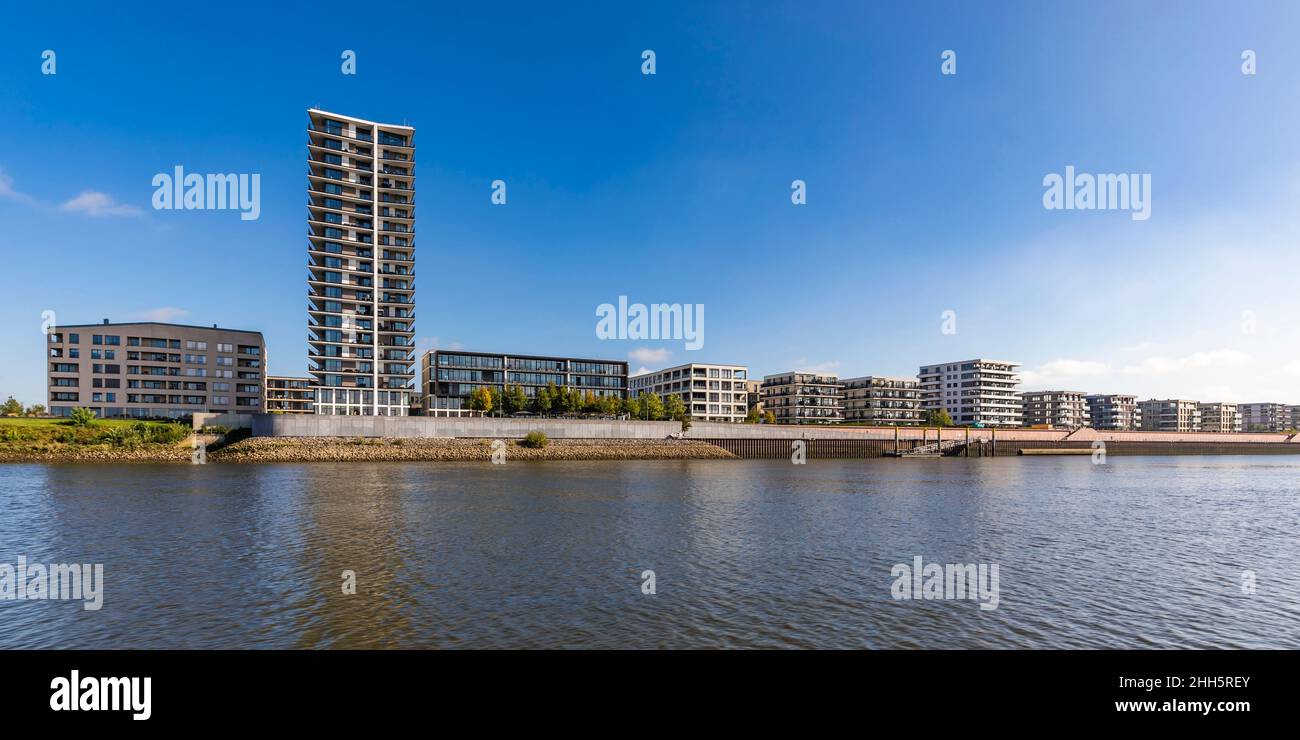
(24, 423)
(27, 435)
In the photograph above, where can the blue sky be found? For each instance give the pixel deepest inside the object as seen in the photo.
(924, 190)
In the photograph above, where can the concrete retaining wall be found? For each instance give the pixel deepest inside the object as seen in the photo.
(231, 421)
(307, 425)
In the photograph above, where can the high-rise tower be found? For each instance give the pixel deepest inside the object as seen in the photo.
(361, 260)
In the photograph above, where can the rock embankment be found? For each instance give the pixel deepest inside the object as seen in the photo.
(318, 449)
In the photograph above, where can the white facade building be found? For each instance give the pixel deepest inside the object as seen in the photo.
(983, 392)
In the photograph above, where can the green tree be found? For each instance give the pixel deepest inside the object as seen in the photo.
(590, 403)
(11, 407)
(515, 399)
(632, 407)
(480, 399)
(675, 408)
(82, 417)
(652, 407)
(572, 401)
(769, 418)
(36, 410)
(752, 416)
(545, 400)
(939, 418)
(497, 401)
(611, 405)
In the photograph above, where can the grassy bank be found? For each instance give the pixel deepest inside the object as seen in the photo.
(58, 440)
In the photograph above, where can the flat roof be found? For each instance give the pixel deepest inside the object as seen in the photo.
(154, 323)
(526, 356)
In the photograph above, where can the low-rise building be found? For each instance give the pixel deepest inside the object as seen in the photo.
(887, 401)
(973, 392)
(754, 396)
(1059, 409)
(1265, 417)
(1114, 412)
(450, 376)
(803, 398)
(1170, 415)
(154, 370)
(1220, 417)
(710, 392)
(289, 395)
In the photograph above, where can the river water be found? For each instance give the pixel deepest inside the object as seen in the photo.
(1141, 552)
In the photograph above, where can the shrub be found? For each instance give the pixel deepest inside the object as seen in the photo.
(82, 417)
(215, 429)
(535, 440)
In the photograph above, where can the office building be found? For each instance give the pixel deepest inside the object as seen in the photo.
(1170, 415)
(1114, 412)
(450, 376)
(1057, 409)
(803, 398)
(1220, 417)
(886, 401)
(361, 264)
(288, 395)
(973, 392)
(153, 370)
(710, 392)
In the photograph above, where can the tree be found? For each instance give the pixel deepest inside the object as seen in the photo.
(11, 408)
(611, 405)
(652, 406)
(939, 418)
(675, 408)
(545, 399)
(769, 418)
(82, 417)
(632, 407)
(36, 410)
(480, 399)
(590, 404)
(515, 399)
(752, 416)
(496, 402)
(572, 401)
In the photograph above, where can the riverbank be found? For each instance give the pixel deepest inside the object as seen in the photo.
(293, 450)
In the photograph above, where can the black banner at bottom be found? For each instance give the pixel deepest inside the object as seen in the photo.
(255, 689)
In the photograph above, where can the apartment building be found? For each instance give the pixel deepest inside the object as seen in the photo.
(1220, 417)
(976, 392)
(153, 370)
(1057, 409)
(803, 398)
(1115, 412)
(1265, 417)
(1293, 412)
(882, 400)
(711, 392)
(1170, 415)
(289, 395)
(450, 376)
(361, 264)
(754, 395)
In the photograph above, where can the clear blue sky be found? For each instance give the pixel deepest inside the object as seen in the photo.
(924, 191)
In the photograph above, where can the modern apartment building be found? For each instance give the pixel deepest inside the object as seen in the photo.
(1294, 413)
(361, 264)
(877, 399)
(754, 395)
(1265, 417)
(1058, 409)
(976, 392)
(1219, 417)
(1114, 412)
(288, 395)
(152, 370)
(449, 376)
(1170, 415)
(803, 398)
(711, 392)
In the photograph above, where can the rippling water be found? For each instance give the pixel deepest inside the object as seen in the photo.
(1140, 553)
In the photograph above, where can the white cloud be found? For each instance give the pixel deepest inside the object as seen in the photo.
(1159, 365)
(93, 203)
(649, 355)
(830, 367)
(166, 313)
(7, 190)
(1062, 372)
(640, 371)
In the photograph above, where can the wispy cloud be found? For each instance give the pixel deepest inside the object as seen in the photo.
(650, 355)
(1159, 365)
(1062, 372)
(830, 367)
(7, 190)
(94, 203)
(165, 313)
